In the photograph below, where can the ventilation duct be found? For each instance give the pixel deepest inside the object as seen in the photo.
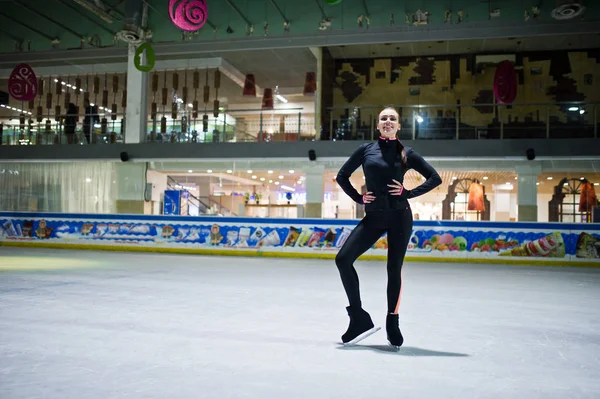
(100, 5)
(133, 31)
(96, 9)
(568, 9)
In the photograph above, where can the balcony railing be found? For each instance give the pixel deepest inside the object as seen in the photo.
(161, 128)
(471, 121)
(64, 129)
(419, 122)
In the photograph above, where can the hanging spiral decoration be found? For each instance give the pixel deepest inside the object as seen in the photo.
(189, 15)
(22, 83)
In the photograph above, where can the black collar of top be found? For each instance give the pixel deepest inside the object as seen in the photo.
(387, 142)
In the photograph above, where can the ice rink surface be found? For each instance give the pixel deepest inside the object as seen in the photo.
(104, 325)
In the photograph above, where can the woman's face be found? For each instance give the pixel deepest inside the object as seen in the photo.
(389, 122)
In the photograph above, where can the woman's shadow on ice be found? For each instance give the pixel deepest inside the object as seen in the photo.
(403, 351)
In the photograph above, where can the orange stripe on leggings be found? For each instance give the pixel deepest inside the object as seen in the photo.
(399, 295)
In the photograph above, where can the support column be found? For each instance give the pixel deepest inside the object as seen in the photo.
(527, 197)
(324, 94)
(314, 190)
(318, 53)
(131, 187)
(158, 183)
(137, 106)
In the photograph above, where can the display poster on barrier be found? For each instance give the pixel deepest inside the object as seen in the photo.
(554, 242)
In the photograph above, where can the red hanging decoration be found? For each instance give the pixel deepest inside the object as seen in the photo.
(505, 83)
(249, 86)
(476, 198)
(310, 84)
(267, 101)
(22, 83)
(587, 199)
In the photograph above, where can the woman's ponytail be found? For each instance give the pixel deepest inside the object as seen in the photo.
(402, 152)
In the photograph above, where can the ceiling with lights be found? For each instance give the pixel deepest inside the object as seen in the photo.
(40, 25)
(285, 69)
(243, 180)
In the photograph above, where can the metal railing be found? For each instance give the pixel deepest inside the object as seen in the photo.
(252, 125)
(471, 121)
(161, 128)
(32, 129)
(419, 122)
(193, 201)
(203, 207)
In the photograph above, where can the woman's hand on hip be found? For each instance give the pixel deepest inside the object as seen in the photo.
(397, 188)
(368, 197)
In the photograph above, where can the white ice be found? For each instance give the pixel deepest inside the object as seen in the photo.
(103, 325)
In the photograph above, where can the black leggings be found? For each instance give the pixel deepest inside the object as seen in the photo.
(398, 225)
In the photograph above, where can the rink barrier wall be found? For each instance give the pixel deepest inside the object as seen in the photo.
(518, 243)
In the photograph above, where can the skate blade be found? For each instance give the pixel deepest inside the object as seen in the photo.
(394, 346)
(363, 336)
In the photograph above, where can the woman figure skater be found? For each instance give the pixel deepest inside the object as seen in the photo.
(387, 210)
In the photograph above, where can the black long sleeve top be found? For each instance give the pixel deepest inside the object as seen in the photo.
(381, 162)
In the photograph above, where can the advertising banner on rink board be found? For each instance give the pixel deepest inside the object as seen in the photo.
(554, 242)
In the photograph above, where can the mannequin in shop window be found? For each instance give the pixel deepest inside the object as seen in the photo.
(387, 210)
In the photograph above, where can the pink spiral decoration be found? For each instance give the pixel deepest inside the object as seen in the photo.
(189, 15)
(22, 83)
